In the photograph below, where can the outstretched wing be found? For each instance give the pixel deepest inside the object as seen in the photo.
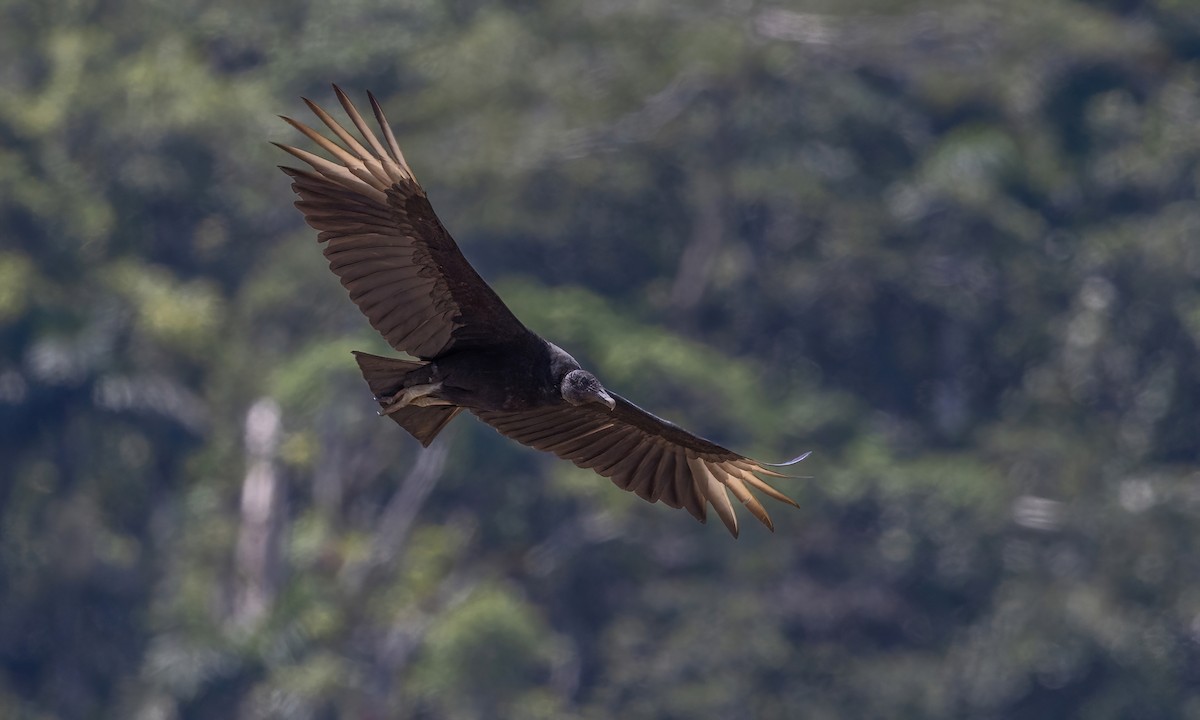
(387, 246)
(646, 455)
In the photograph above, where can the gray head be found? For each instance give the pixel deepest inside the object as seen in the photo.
(580, 386)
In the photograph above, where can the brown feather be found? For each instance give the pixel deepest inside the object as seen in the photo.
(642, 477)
(361, 152)
(687, 490)
(645, 455)
(558, 444)
(392, 146)
(662, 480)
(369, 209)
(735, 484)
(714, 492)
(623, 472)
(615, 454)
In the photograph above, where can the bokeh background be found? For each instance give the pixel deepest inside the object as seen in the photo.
(951, 247)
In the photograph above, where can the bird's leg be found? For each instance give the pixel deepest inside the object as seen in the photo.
(418, 395)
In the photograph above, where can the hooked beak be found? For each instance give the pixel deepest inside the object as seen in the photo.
(601, 396)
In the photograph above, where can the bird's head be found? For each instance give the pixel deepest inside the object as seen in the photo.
(580, 386)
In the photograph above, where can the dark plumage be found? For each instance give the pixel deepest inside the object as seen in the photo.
(409, 278)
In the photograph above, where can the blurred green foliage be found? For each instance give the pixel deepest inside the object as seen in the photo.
(953, 247)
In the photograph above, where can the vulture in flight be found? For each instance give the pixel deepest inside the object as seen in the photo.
(407, 275)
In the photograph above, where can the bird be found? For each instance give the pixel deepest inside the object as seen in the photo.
(403, 270)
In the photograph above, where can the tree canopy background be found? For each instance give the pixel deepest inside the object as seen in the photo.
(952, 247)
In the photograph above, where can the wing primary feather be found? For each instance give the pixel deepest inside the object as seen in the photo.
(712, 489)
(369, 273)
(340, 221)
(427, 340)
(401, 323)
(536, 437)
(765, 468)
(624, 472)
(766, 489)
(598, 448)
(328, 145)
(334, 227)
(523, 419)
(394, 245)
(322, 190)
(387, 243)
(369, 294)
(368, 169)
(395, 274)
(550, 418)
(355, 146)
(583, 449)
(742, 493)
(337, 209)
(359, 122)
(413, 289)
(310, 185)
(615, 453)
(330, 171)
(336, 237)
(364, 156)
(534, 426)
(632, 461)
(644, 482)
(636, 457)
(580, 428)
(334, 173)
(687, 491)
(397, 324)
(793, 461)
(518, 421)
(391, 311)
(568, 447)
(664, 475)
(392, 146)
(543, 427)
(371, 172)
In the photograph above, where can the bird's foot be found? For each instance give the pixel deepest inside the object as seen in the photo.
(417, 395)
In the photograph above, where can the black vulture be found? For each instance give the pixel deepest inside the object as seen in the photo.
(407, 275)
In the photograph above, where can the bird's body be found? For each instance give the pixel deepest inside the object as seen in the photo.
(512, 376)
(409, 278)
(516, 376)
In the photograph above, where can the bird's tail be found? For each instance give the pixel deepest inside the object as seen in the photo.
(386, 376)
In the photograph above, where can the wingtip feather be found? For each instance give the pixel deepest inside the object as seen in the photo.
(768, 490)
(714, 491)
(793, 461)
(734, 481)
(393, 147)
(357, 118)
(330, 122)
